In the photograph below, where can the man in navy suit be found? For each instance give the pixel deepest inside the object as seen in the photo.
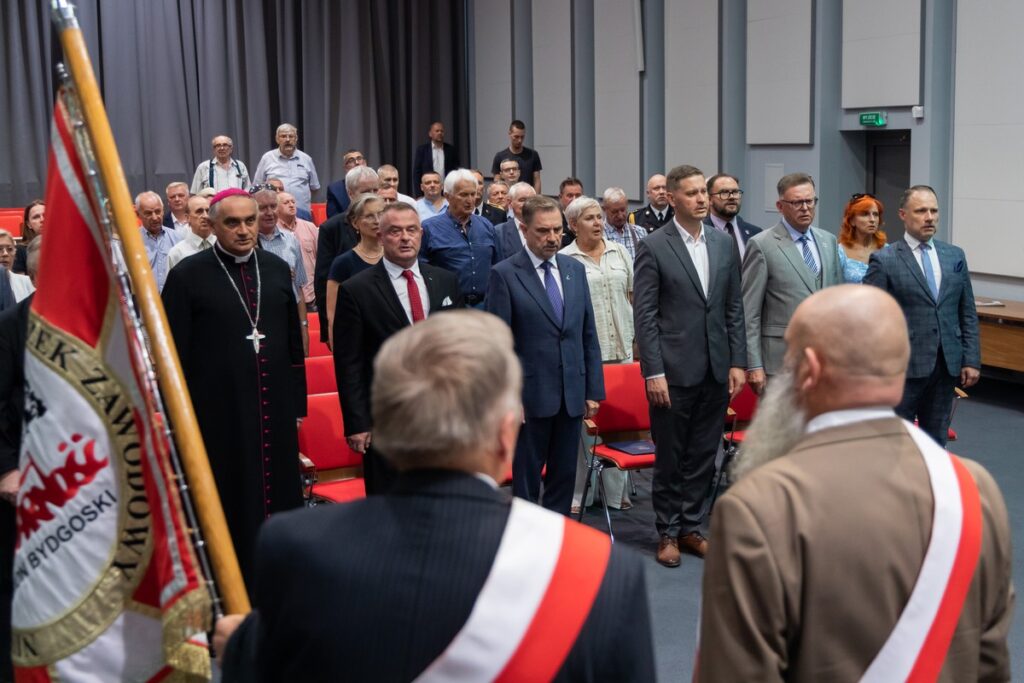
(511, 237)
(435, 156)
(932, 283)
(726, 198)
(544, 298)
(338, 199)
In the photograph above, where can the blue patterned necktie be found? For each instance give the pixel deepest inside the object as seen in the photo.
(551, 287)
(929, 273)
(808, 256)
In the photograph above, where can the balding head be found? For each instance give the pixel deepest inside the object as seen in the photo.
(846, 347)
(849, 347)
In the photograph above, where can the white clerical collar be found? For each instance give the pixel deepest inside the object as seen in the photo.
(838, 418)
(395, 270)
(237, 259)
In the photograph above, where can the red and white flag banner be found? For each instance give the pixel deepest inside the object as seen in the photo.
(107, 585)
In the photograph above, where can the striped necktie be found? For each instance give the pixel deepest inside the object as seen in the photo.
(808, 256)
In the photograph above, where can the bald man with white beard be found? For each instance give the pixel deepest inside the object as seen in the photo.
(821, 544)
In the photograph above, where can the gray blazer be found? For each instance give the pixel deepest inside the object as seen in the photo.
(775, 281)
(681, 332)
(951, 323)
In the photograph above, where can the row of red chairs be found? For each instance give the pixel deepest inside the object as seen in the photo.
(332, 472)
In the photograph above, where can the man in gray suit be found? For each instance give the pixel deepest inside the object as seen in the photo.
(688, 311)
(782, 267)
(932, 283)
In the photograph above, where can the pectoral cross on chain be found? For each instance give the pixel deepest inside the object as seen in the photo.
(256, 337)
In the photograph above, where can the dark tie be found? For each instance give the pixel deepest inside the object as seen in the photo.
(554, 295)
(415, 304)
(735, 238)
(929, 272)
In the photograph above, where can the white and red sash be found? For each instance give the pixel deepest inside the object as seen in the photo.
(916, 648)
(532, 606)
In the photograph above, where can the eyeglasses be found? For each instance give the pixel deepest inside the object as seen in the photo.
(7, 250)
(800, 203)
(728, 194)
(260, 188)
(354, 160)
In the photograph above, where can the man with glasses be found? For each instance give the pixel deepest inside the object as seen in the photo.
(658, 211)
(783, 266)
(724, 214)
(294, 167)
(337, 196)
(221, 171)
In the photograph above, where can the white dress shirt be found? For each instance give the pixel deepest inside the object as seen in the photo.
(540, 271)
(933, 256)
(402, 288)
(190, 245)
(438, 153)
(21, 285)
(838, 418)
(698, 248)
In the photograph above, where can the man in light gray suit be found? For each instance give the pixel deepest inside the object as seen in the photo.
(932, 283)
(782, 267)
(688, 310)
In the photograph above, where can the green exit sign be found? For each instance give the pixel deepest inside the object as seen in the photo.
(872, 119)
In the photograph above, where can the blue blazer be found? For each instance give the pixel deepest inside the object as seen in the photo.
(337, 198)
(561, 362)
(508, 238)
(952, 321)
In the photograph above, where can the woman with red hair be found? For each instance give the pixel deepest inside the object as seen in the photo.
(860, 236)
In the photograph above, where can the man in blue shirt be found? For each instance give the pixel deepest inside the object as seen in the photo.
(459, 241)
(289, 163)
(157, 238)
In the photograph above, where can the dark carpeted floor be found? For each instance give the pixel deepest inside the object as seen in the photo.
(988, 425)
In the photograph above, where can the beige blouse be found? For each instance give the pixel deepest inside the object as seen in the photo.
(611, 282)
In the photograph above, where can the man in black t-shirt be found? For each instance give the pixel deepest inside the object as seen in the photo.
(529, 160)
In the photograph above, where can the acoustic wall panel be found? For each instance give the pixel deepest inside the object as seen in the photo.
(617, 67)
(552, 90)
(881, 53)
(492, 78)
(988, 137)
(691, 84)
(779, 72)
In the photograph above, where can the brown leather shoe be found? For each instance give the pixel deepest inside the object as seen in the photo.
(668, 552)
(693, 543)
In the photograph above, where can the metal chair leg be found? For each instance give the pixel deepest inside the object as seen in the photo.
(632, 484)
(604, 500)
(591, 458)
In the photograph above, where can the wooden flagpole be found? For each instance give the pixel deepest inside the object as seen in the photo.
(176, 398)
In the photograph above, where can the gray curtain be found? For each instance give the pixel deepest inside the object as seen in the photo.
(368, 74)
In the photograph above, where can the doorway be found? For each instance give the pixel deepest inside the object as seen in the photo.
(888, 174)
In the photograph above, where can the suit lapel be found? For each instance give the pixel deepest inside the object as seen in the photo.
(675, 241)
(531, 281)
(387, 291)
(947, 263)
(570, 286)
(795, 258)
(716, 255)
(907, 254)
(434, 292)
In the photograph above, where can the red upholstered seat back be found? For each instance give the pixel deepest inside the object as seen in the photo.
(745, 404)
(322, 434)
(10, 220)
(316, 347)
(625, 406)
(320, 377)
(319, 212)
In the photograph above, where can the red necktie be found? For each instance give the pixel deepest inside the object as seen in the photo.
(415, 304)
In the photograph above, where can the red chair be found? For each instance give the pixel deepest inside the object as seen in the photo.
(319, 212)
(316, 347)
(320, 377)
(332, 471)
(314, 323)
(10, 220)
(624, 410)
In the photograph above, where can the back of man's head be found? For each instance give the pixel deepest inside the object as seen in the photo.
(446, 392)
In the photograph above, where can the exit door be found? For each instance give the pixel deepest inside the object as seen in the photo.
(888, 174)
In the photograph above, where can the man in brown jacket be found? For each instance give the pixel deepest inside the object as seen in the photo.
(821, 544)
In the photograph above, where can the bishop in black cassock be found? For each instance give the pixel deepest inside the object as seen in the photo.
(247, 403)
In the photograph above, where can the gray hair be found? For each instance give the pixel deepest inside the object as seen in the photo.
(459, 175)
(518, 189)
(578, 206)
(141, 195)
(614, 194)
(32, 256)
(496, 182)
(176, 183)
(387, 167)
(286, 128)
(357, 174)
(442, 387)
